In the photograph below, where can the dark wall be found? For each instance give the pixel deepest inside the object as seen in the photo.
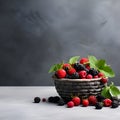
(34, 34)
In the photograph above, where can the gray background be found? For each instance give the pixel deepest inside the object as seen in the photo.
(34, 34)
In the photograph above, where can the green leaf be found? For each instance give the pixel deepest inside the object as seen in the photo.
(92, 61)
(73, 59)
(114, 91)
(100, 64)
(105, 92)
(107, 71)
(55, 67)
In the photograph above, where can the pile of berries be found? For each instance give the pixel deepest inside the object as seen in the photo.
(99, 102)
(80, 70)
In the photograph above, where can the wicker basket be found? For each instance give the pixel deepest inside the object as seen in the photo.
(67, 88)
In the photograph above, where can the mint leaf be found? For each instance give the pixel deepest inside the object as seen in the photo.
(55, 67)
(92, 61)
(105, 92)
(74, 59)
(114, 91)
(100, 63)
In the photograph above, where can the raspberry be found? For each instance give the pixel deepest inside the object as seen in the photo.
(92, 100)
(37, 100)
(82, 74)
(107, 102)
(98, 105)
(70, 104)
(96, 76)
(66, 66)
(61, 73)
(85, 102)
(71, 71)
(44, 100)
(104, 80)
(76, 101)
(75, 75)
(100, 74)
(89, 76)
(84, 60)
(87, 66)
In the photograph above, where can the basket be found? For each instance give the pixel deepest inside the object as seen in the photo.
(67, 88)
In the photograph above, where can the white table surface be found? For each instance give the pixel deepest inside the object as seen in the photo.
(16, 103)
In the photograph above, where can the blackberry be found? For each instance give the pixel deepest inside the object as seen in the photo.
(100, 98)
(115, 104)
(114, 99)
(79, 67)
(51, 99)
(68, 76)
(99, 105)
(37, 100)
(75, 75)
(93, 72)
(61, 102)
(56, 99)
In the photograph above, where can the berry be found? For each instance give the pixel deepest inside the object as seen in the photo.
(100, 74)
(76, 101)
(61, 102)
(89, 76)
(71, 71)
(56, 99)
(70, 104)
(92, 100)
(68, 76)
(51, 99)
(107, 102)
(84, 60)
(115, 104)
(44, 100)
(98, 105)
(87, 66)
(100, 98)
(66, 66)
(79, 67)
(82, 74)
(96, 76)
(85, 102)
(104, 80)
(37, 100)
(61, 73)
(93, 72)
(75, 75)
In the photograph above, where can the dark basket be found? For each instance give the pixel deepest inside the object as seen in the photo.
(67, 88)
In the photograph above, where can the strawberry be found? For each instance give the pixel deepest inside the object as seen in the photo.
(61, 73)
(89, 76)
(92, 99)
(100, 74)
(107, 102)
(70, 104)
(76, 101)
(82, 74)
(71, 71)
(104, 80)
(85, 102)
(84, 60)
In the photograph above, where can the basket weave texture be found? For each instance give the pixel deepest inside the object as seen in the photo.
(67, 88)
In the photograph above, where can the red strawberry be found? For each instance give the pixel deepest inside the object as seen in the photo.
(66, 65)
(70, 104)
(92, 100)
(85, 102)
(100, 74)
(84, 60)
(104, 80)
(61, 73)
(89, 76)
(82, 74)
(107, 102)
(71, 71)
(76, 101)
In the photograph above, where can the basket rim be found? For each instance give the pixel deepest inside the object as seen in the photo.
(76, 80)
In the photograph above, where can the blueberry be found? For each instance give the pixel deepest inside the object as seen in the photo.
(75, 75)
(37, 100)
(98, 105)
(68, 76)
(93, 72)
(79, 67)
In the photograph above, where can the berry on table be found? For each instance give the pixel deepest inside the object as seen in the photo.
(37, 100)
(115, 104)
(70, 104)
(82, 74)
(100, 98)
(43, 99)
(61, 73)
(61, 102)
(92, 100)
(107, 102)
(85, 102)
(99, 105)
(76, 101)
